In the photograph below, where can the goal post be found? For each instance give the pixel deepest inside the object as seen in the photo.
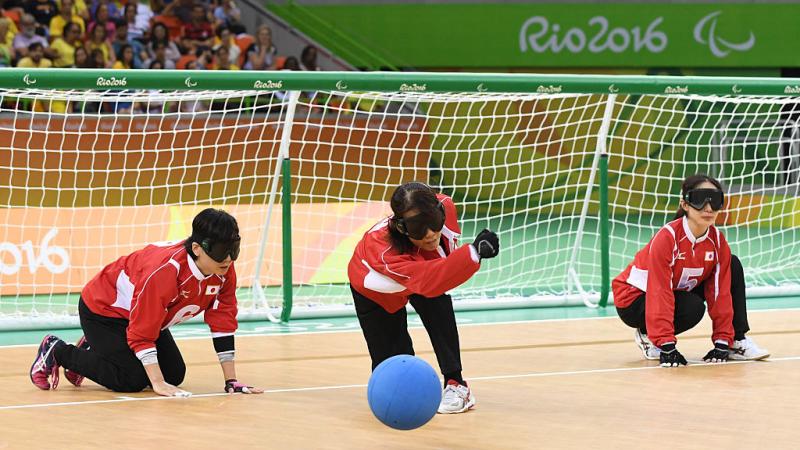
(575, 172)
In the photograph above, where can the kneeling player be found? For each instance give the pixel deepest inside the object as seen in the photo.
(126, 311)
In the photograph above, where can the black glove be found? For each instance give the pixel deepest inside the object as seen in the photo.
(487, 244)
(671, 357)
(718, 354)
(232, 386)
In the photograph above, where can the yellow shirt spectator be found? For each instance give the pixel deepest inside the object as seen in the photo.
(28, 63)
(104, 47)
(57, 25)
(66, 53)
(120, 65)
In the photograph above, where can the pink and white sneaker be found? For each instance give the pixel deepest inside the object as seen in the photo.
(74, 377)
(45, 364)
(456, 398)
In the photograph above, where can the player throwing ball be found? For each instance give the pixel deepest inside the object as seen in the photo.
(413, 256)
(687, 265)
(126, 311)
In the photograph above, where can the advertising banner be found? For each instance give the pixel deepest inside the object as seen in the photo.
(631, 35)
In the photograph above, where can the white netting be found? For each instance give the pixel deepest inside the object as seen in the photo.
(94, 175)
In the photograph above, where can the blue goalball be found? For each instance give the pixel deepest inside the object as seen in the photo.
(404, 392)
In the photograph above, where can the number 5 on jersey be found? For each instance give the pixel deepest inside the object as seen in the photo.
(688, 279)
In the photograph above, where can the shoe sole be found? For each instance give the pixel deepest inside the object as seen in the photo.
(742, 358)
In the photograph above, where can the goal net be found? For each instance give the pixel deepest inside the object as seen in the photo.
(90, 174)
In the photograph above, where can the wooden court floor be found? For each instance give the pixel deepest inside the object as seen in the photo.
(546, 384)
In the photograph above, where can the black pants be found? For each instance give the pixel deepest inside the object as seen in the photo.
(690, 306)
(110, 362)
(387, 333)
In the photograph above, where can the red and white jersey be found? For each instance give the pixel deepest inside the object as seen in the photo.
(674, 260)
(381, 273)
(157, 287)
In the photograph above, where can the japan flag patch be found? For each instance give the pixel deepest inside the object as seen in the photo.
(709, 256)
(212, 290)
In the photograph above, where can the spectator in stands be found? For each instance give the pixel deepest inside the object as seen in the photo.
(65, 14)
(291, 63)
(156, 64)
(229, 15)
(308, 59)
(121, 37)
(97, 58)
(42, 11)
(102, 19)
(198, 31)
(225, 39)
(35, 58)
(98, 40)
(65, 46)
(261, 53)
(6, 42)
(137, 16)
(205, 58)
(82, 59)
(125, 58)
(27, 36)
(182, 9)
(111, 8)
(82, 10)
(160, 55)
(161, 34)
(222, 59)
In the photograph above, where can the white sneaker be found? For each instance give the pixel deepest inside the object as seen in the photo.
(456, 398)
(649, 350)
(747, 350)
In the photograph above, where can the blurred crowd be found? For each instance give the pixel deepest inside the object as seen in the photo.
(131, 34)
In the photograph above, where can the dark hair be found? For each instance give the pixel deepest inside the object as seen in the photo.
(121, 51)
(154, 39)
(291, 63)
(214, 224)
(408, 196)
(306, 53)
(34, 46)
(692, 182)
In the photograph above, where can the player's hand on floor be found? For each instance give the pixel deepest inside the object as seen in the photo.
(487, 244)
(718, 354)
(168, 390)
(232, 386)
(671, 357)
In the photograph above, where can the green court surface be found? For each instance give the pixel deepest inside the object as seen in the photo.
(350, 324)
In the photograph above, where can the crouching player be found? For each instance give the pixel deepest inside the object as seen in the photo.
(413, 256)
(126, 311)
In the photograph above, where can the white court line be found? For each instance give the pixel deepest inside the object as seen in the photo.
(352, 386)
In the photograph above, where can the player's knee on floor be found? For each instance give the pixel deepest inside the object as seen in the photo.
(176, 378)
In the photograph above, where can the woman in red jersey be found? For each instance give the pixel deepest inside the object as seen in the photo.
(413, 257)
(687, 265)
(126, 311)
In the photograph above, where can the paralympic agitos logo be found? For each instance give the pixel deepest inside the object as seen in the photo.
(705, 32)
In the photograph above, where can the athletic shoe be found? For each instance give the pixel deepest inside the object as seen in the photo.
(74, 377)
(649, 350)
(747, 350)
(456, 398)
(45, 364)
